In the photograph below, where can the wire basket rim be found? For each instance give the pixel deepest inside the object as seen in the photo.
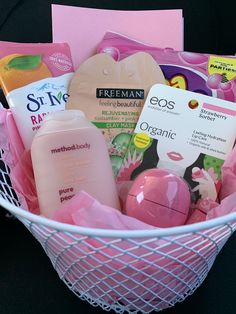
(96, 232)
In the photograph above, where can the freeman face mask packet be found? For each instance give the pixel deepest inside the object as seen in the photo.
(207, 74)
(188, 133)
(112, 94)
(34, 79)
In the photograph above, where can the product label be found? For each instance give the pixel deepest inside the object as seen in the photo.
(66, 194)
(120, 93)
(117, 112)
(73, 161)
(112, 94)
(224, 66)
(32, 102)
(72, 147)
(118, 107)
(71, 176)
(191, 134)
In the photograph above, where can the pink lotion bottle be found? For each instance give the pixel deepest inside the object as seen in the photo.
(69, 154)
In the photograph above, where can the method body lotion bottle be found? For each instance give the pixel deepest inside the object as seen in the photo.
(69, 154)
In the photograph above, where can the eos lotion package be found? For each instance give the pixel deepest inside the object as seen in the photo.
(112, 94)
(207, 74)
(188, 133)
(34, 79)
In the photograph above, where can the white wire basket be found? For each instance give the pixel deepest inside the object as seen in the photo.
(125, 271)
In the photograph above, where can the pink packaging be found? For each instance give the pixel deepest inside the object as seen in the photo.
(21, 167)
(56, 56)
(208, 74)
(34, 79)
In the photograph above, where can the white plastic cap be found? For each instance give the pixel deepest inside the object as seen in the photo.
(62, 121)
(64, 115)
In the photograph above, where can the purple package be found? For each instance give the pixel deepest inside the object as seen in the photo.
(208, 74)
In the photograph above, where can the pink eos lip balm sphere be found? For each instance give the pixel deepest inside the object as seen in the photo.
(159, 198)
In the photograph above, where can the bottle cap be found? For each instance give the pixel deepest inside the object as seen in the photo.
(63, 121)
(64, 115)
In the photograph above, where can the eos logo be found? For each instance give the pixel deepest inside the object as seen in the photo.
(162, 103)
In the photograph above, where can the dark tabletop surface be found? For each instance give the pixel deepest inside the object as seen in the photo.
(28, 282)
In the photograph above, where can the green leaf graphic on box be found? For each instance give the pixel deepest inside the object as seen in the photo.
(121, 142)
(213, 162)
(27, 62)
(116, 162)
(59, 95)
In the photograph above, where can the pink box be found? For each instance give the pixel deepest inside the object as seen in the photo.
(83, 28)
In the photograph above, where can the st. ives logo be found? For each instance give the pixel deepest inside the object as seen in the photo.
(48, 94)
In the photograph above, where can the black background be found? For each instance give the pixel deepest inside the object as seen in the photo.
(28, 282)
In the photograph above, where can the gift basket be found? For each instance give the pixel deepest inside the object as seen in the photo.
(57, 173)
(126, 271)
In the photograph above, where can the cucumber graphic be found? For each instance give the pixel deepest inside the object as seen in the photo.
(116, 162)
(121, 142)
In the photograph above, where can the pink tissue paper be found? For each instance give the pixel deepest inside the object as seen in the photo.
(19, 161)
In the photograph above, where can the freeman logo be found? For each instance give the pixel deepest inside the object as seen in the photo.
(120, 93)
